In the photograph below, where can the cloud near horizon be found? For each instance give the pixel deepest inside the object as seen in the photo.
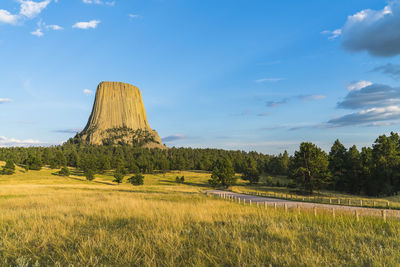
(174, 137)
(9, 142)
(69, 131)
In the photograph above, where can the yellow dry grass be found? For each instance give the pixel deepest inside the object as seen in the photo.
(52, 220)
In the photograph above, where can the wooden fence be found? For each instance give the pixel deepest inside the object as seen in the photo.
(316, 208)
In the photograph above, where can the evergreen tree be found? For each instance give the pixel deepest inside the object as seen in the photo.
(64, 171)
(9, 168)
(118, 177)
(310, 167)
(353, 182)
(251, 173)
(137, 179)
(337, 165)
(223, 173)
(89, 174)
(33, 162)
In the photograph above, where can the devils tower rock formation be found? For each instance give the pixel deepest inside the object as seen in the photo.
(119, 117)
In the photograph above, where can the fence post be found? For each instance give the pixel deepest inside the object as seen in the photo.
(266, 204)
(361, 202)
(356, 215)
(338, 201)
(330, 201)
(315, 211)
(373, 204)
(285, 207)
(275, 205)
(388, 205)
(384, 215)
(333, 212)
(239, 200)
(250, 202)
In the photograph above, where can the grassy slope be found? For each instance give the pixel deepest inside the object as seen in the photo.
(51, 219)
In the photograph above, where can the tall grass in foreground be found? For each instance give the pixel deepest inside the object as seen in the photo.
(93, 225)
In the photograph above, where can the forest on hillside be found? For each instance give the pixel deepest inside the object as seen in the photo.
(371, 171)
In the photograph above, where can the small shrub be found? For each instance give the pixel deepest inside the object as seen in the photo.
(9, 168)
(64, 171)
(118, 177)
(89, 174)
(180, 180)
(137, 179)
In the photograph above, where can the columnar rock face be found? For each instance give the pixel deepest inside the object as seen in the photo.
(118, 116)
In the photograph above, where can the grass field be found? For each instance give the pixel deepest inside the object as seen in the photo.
(49, 220)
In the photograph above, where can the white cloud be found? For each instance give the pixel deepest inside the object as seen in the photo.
(54, 27)
(42, 25)
(38, 33)
(374, 31)
(7, 17)
(28, 9)
(263, 80)
(376, 116)
(9, 142)
(333, 34)
(134, 16)
(99, 2)
(5, 100)
(87, 92)
(31, 9)
(86, 25)
(92, 2)
(358, 85)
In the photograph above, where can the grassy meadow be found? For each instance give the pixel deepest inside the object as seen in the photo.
(52, 220)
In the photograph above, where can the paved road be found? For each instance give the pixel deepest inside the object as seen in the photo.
(293, 204)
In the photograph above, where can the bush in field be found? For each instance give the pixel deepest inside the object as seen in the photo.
(9, 168)
(137, 179)
(118, 177)
(89, 174)
(64, 171)
(180, 180)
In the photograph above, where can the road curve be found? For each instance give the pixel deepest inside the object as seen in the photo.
(309, 205)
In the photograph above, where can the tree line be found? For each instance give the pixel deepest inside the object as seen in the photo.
(128, 159)
(372, 171)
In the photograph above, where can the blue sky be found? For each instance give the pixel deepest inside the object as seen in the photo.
(250, 75)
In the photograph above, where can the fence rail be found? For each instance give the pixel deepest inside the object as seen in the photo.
(300, 206)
